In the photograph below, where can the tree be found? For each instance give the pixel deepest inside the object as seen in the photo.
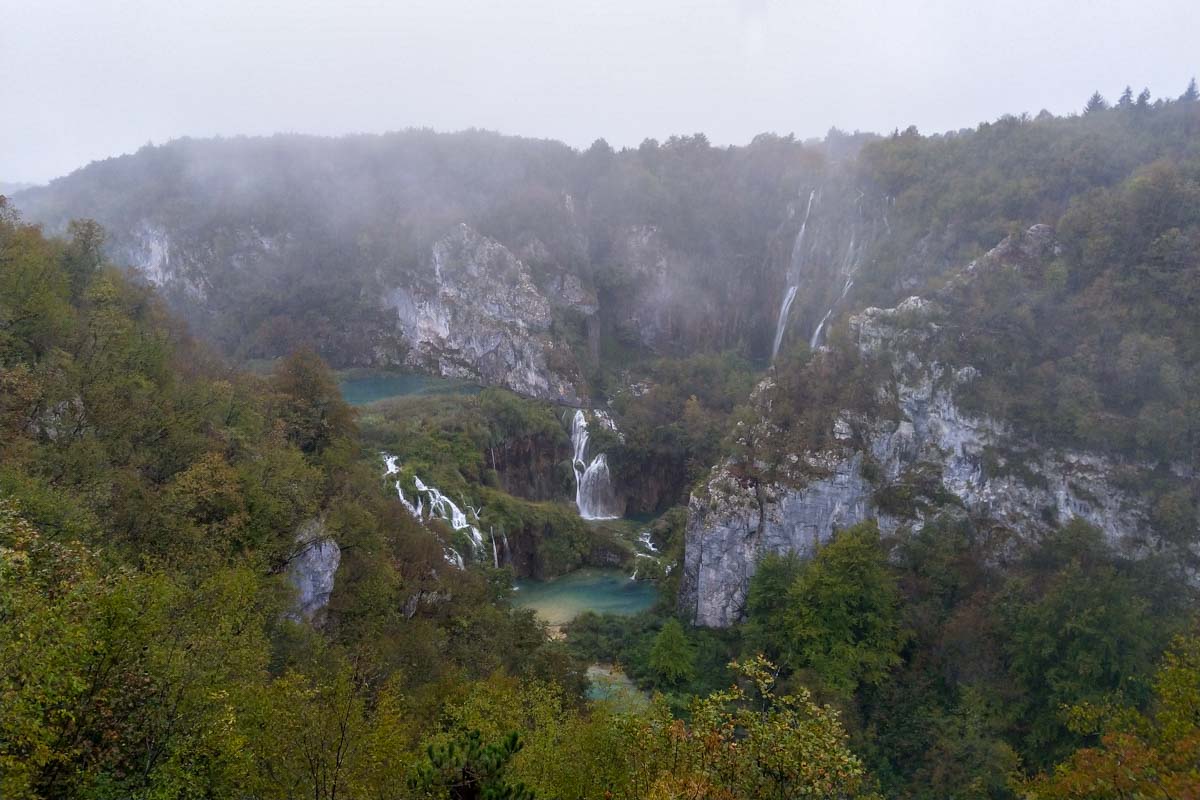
(83, 254)
(467, 769)
(753, 744)
(1140, 754)
(1126, 100)
(671, 656)
(842, 619)
(1078, 630)
(313, 409)
(1191, 94)
(1143, 99)
(324, 736)
(120, 683)
(767, 602)
(1095, 103)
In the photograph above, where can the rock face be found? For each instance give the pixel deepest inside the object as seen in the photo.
(312, 569)
(976, 462)
(481, 317)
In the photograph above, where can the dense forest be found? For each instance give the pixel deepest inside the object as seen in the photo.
(162, 475)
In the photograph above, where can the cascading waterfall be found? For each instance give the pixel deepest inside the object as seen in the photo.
(593, 483)
(646, 542)
(797, 261)
(445, 509)
(441, 507)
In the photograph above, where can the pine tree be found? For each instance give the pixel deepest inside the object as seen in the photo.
(1126, 98)
(467, 769)
(1095, 103)
(1191, 94)
(1143, 99)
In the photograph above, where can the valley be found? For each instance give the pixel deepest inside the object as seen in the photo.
(880, 451)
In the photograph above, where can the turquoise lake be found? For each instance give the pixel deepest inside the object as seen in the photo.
(359, 391)
(604, 591)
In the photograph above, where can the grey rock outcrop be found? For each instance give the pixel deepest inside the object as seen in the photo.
(312, 569)
(979, 463)
(479, 316)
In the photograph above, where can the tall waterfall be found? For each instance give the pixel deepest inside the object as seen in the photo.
(849, 267)
(594, 495)
(781, 325)
(797, 260)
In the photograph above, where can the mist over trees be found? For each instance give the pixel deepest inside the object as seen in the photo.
(155, 494)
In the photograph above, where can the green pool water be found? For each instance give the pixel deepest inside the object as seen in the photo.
(607, 683)
(605, 591)
(360, 390)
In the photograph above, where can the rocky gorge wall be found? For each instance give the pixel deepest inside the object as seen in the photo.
(481, 317)
(737, 517)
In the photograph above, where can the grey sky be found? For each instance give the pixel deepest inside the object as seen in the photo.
(85, 79)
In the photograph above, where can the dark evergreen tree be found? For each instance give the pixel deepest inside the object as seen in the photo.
(1095, 103)
(1143, 99)
(467, 769)
(671, 656)
(1191, 94)
(1126, 98)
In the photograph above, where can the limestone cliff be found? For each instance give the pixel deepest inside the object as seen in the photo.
(926, 447)
(478, 315)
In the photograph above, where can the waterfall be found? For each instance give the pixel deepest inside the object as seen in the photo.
(816, 337)
(441, 507)
(781, 325)
(593, 483)
(849, 267)
(495, 553)
(445, 509)
(646, 542)
(793, 276)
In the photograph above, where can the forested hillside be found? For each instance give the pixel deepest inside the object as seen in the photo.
(349, 246)
(902, 431)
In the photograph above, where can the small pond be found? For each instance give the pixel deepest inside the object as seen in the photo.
(604, 591)
(362, 388)
(609, 683)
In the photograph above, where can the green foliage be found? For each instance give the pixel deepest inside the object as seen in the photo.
(756, 744)
(119, 683)
(767, 602)
(311, 405)
(1138, 754)
(465, 769)
(672, 431)
(842, 614)
(1078, 630)
(671, 656)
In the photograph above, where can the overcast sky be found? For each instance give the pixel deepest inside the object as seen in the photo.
(86, 79)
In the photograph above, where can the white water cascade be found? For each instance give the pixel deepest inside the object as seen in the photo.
(797, 261)
(788, 298)
(444, 509)
(816, 337)
(593, 483)
(849, 267)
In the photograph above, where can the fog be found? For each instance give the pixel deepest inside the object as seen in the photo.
(87, 79)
